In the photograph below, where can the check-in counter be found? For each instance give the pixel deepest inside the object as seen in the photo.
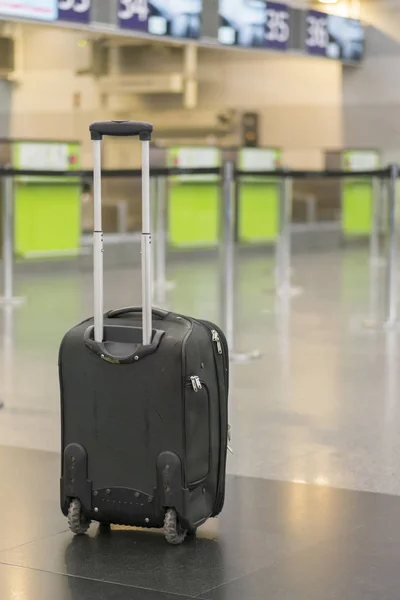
(258, 197)
(194, 200)
(47, 210)
(356, 194)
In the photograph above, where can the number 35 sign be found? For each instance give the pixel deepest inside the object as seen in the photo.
(77, 11)
(277, 27)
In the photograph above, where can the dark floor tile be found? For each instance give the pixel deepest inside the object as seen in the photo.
(363, 565)
(262, 523)
(284, 537)
(29, 500)
(144, 559)
(28, 584)
(298, 513)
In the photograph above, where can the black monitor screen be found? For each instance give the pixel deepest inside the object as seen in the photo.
(333, 36)
(177, 18)
(254, 23)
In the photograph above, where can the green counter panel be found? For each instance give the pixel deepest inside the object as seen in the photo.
(193, 214)
(258, 212)
(47, 220)
(357, 194)
(357, 207)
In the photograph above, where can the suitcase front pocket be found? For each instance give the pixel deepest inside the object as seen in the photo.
(197, 422)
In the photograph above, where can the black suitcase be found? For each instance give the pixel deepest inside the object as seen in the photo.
(144, 400)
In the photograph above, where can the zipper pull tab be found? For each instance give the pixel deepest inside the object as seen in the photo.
(198, 382)
(193, 380)
(215, 338)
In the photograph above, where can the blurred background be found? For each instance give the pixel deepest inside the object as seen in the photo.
(199, 79)
(289, 242)
(308, 87)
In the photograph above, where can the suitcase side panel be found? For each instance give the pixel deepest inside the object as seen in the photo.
(203, 359)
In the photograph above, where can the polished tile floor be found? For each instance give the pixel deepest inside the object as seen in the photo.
(320, 407)
(275, 540)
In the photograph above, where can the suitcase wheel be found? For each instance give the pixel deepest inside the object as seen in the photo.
(78, 523)
(174, 533)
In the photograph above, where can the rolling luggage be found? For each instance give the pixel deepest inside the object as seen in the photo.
(144, 396)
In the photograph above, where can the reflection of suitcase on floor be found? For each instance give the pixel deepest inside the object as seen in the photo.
(143, 401)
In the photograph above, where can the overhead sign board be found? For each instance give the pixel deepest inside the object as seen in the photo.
(189, 157)
(176, 18)
(361, 160)
(333, 36)
(75, 11)
(254, 24)
(42, 10)
(277, 29)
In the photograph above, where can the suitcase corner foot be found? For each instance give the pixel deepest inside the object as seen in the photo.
(74, 482)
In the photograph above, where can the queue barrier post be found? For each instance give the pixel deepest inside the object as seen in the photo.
(375, 259)
(7, 297)
(283, 256)
(7, 362)
(374, 246)
(227, 261)
(391, 287)
(161, 284)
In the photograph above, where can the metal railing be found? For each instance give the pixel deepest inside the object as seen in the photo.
(230, 177)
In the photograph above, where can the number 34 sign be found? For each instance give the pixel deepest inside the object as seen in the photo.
(77, 11)
(133, 14)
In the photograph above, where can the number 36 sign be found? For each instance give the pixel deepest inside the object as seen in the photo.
(317, 39)
(77, 11)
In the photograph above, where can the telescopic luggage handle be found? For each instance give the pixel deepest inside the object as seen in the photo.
(122, 129)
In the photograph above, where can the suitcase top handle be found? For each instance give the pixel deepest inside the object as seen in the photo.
(121, 129)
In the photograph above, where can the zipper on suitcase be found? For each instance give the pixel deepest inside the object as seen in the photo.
(216, 338)
(219, 340)
(222, 351)
(195, 383)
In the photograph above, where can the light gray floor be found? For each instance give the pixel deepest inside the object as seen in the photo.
(320, 406)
